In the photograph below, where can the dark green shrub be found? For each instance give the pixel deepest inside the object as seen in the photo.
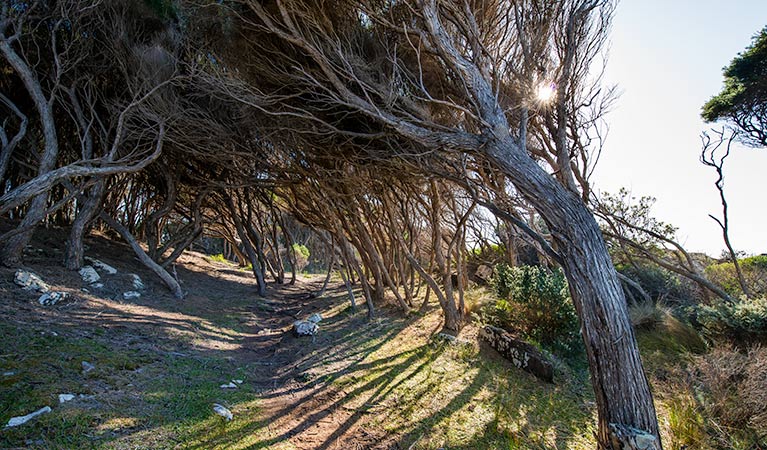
(744, 321)
(535, 302)
(657, 282)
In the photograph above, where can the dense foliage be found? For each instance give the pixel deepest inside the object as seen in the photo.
(534, 302)
(743, 100)
(754, 269)
(743, 321)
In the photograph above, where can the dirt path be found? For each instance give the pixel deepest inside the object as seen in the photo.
(221, 318)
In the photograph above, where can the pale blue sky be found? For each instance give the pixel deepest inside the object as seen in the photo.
(666, 57)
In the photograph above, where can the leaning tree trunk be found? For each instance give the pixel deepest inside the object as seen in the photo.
(171, 282)
(13, 248)
(74, 254)
(622, 392)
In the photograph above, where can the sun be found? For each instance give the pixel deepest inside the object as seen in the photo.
(545, 92)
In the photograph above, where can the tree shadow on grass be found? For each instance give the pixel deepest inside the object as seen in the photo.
(502, 407)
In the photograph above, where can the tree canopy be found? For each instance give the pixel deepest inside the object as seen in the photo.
(743, 99)
(382, 126)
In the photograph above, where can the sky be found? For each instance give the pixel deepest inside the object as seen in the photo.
(666, 57)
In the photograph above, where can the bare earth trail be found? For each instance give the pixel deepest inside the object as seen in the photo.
(297, 406)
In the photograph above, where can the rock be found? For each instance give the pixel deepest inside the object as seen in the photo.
(97, 285)
(87, 367)
(229, 386)
(137, 283)
(237, 381)
(484, 273)
(21, 420)
(51, 298)
(131, 295)
(30, 281)
(315, 318)
(222, 411)
(304, 328)
(89, 275)
(519, 352)
(102, 266)
(63, 398)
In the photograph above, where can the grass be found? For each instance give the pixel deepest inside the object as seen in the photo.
(134, 398)
(219, 258)
(389, 377)
(434, 394)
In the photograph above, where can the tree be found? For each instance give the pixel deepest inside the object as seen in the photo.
(710, 158)
(436, 74)
(743, 100)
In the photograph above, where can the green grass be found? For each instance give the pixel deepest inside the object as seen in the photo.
(219, 258)
(434, 394)
(135, 398)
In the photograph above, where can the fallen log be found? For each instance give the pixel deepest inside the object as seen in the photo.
(519, 352)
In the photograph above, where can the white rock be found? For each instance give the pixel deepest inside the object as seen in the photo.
(100, 265)
(87, 367)
(63, 398)
(222, 411)
(10, 373)
(229, 386)
(51, 298)
(130, 295)
(97, 285)
(237, 381)
(137, 283)
(304, 328)
(21, 420)
(89, 275)
(30, 281)
(315, 318)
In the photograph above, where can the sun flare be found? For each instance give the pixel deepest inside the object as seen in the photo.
(545, 92)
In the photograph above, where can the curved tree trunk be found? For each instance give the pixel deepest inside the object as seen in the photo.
(74, 254)
(12, 250)
(622, 392)
(171, 282)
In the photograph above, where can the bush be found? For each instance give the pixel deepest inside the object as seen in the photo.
(744, 321)
(302, 256)
(754, 270)
(733, 384)
(657, 282)
(219, 258)
(535, 302)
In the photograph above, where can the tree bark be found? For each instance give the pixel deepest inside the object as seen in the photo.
(12, 250)
(74, 254)
(171, 282)
(620, 385)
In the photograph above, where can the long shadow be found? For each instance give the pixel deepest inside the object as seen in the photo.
(528, 403)
(384, 373)
(155, 321)
(345, 345)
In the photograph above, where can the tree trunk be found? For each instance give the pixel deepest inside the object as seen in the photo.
(171, 282)
(73, 257)
(13, 248)
(348, 286)
(620, 386)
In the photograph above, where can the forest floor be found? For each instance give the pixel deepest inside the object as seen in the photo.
(387, 383)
